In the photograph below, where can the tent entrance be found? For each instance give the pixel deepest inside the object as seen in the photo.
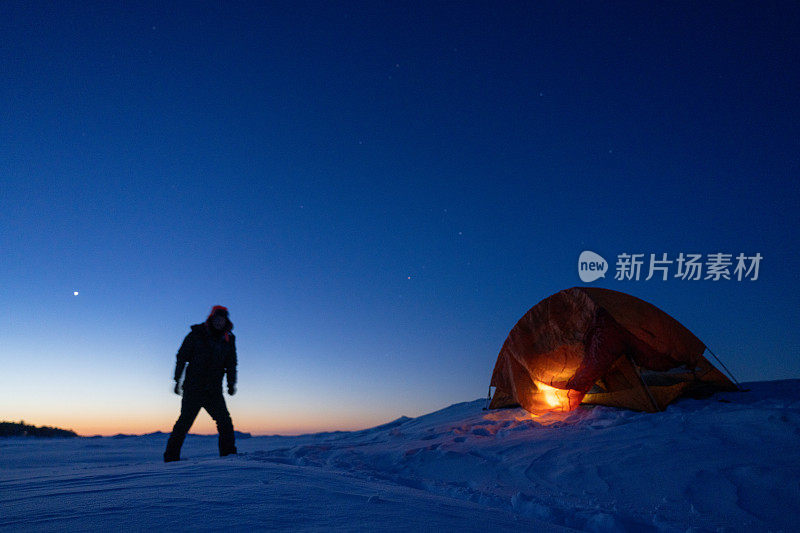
(626, 385)
(623, 386)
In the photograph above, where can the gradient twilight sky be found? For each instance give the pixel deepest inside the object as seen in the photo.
(377, 190)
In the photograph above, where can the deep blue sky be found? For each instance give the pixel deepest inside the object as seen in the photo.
(377, 190)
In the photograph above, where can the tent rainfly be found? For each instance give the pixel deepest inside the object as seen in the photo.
(598, 346)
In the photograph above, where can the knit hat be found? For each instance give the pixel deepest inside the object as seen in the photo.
(223, 311)
(218, 309)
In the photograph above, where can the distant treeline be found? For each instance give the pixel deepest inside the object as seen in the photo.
(20, 429)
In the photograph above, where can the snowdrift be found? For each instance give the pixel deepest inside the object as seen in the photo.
(727, 463)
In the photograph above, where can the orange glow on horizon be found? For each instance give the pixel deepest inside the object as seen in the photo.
(288, 424)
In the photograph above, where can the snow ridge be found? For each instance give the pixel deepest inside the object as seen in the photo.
(701, 464)
(726, 463)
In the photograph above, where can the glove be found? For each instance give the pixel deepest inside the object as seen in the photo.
(177, 388)
(231, 389)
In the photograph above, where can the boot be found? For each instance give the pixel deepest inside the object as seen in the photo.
(228, 451)
(169, 457)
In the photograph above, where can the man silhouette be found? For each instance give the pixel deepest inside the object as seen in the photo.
(210, 351)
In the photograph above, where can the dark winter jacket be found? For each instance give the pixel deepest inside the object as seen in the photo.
(210, 354)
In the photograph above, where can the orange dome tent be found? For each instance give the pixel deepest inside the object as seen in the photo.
(598, 346)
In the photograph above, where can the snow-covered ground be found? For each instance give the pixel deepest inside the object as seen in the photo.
(727, 463)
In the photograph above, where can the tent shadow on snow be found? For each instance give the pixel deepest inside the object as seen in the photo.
(598, 346)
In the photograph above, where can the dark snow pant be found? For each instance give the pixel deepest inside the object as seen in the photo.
(214, 404)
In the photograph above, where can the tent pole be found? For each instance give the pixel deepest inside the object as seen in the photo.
(649, 395)
(738, 386)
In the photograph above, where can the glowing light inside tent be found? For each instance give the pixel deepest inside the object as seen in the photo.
(553, 396)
